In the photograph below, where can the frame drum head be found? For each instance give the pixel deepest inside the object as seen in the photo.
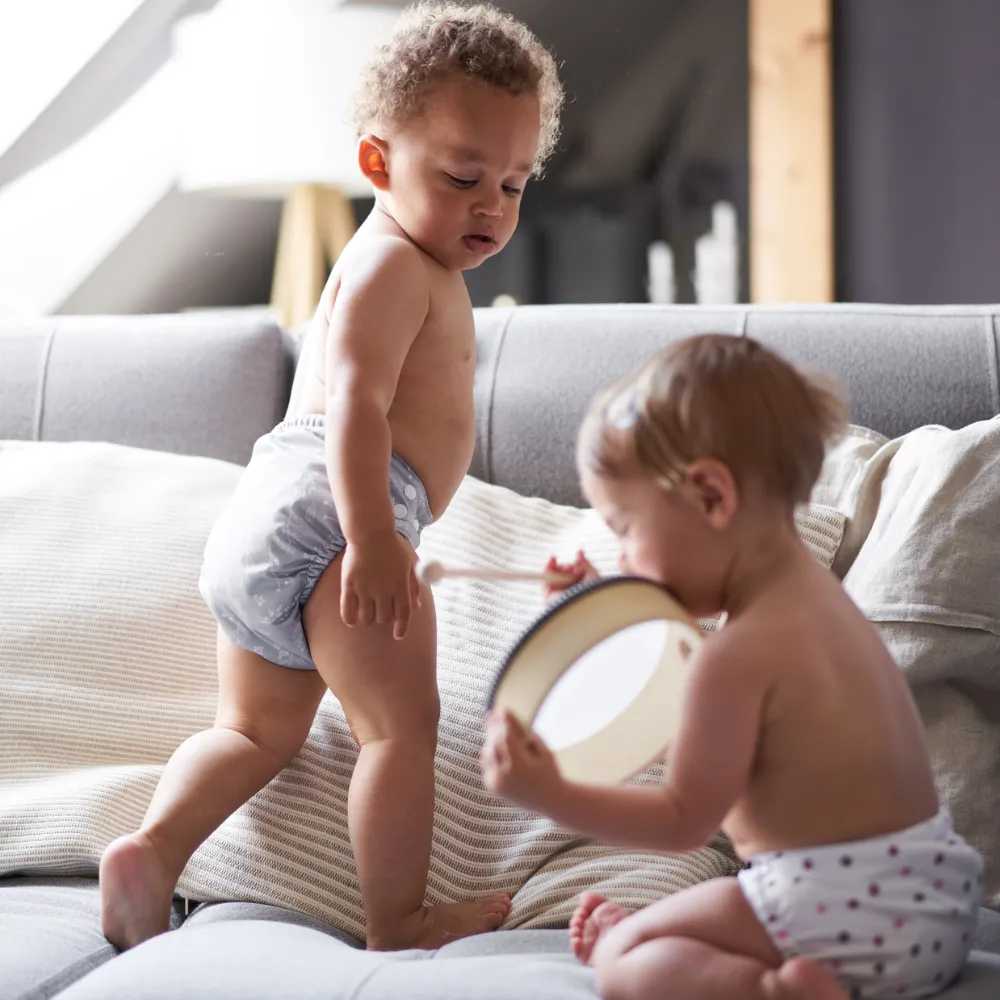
(599, 677)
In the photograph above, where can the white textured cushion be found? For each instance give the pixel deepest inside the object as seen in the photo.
(107, 663)
(927, 573)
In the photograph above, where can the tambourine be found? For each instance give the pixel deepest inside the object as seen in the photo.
(599, 677)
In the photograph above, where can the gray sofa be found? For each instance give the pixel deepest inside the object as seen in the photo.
(210, 384)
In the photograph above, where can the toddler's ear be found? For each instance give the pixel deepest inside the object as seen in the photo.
(371, 160)
(712, 487)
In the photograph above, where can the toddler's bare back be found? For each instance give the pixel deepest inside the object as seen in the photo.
(431, 418)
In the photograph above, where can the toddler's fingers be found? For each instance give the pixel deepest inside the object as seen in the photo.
(366, 611)
(383, 610)
(401, 616)
(349, 607)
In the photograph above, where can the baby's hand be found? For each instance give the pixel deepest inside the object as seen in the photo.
(378, 583)
(517, 764)
(577, 571)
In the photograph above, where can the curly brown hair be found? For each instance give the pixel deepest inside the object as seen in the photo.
(432, 41)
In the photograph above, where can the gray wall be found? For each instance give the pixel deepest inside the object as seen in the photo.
(191, 251)
(917, 125)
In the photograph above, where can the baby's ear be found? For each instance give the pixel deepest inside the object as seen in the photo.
(712, 487)
(371, 159)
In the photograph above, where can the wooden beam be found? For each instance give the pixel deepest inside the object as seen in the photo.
(791, 152)
(316, 223)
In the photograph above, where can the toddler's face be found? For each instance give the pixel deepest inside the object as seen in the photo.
(458, 170)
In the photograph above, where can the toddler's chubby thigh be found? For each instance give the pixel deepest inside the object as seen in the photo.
(387, 686)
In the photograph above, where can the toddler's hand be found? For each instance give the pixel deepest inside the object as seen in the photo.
(517, 764)
(578, 570)
(378, 583)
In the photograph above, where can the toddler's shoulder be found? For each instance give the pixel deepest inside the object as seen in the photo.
(382, 258)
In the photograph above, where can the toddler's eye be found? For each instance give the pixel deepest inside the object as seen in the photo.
(460, 182)
(512, 191)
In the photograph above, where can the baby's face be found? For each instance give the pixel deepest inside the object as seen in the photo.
(660, 535)
(457, 171)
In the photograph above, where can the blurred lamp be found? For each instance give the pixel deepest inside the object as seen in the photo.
(264, 88)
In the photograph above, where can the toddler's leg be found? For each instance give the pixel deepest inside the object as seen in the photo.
(388, 689)
(702, 943)
(264, 715)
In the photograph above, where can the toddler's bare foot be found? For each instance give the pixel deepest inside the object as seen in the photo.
(801, 979)
(434, 926)
(593, 917)
(136, 892)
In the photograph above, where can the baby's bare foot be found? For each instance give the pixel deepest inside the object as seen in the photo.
(593, 917)
(801, 979)
(434, 926)
(136, 892)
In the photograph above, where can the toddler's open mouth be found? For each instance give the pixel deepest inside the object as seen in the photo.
(480, 242)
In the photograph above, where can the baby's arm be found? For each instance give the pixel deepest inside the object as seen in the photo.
(577, 571)
(381, 306)
(707, 769)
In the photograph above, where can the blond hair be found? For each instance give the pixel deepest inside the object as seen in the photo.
(716, 396)
(433, 41)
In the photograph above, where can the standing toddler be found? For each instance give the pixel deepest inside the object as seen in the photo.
(310, 569)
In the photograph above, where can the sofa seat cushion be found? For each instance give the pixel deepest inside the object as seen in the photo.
(260, 959)
(50, 938)
(50, 935)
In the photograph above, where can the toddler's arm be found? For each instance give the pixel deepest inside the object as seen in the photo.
(706, 771)
(380, 308)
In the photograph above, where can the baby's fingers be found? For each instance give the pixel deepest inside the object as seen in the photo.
(499, 752)
(550, 589)
(511, 725)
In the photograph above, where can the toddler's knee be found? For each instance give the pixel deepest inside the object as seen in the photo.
(282, 743)
(414, 724)
(416, 735)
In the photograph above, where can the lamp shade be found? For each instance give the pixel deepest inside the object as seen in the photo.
(264, 88)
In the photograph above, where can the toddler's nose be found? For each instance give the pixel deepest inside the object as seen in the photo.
(489, 205)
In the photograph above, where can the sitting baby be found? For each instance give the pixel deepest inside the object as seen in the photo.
(799, 736)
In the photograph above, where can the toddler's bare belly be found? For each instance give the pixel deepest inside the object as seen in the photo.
(436, 438)
(439, 451)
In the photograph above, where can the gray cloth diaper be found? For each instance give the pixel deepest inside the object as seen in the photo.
(278, 534)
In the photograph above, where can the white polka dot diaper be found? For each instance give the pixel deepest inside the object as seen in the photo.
(891, 916)
(278, 534)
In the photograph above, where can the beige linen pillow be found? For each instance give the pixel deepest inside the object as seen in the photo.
(107, 663)
(927, 573)
(848, 483)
